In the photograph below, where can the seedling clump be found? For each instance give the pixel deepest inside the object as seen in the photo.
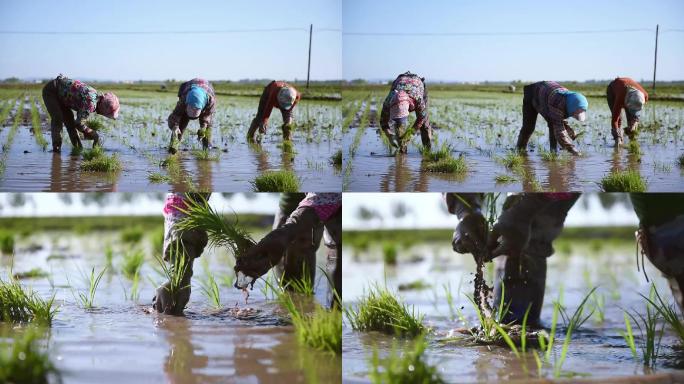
(380, 311)
(276, 181)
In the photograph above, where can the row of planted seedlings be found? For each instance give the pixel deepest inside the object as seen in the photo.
(17, 117)
(541, 352)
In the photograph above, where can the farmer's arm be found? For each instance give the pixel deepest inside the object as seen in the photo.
(313, 209)
(176, 115)
(207, 114)
(562, 136)
(384, 122)
(422, 117)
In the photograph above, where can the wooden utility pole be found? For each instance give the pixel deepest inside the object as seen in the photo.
(655, 59)
(308, 69)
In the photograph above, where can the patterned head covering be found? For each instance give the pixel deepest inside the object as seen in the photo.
(634, 100)
(399, 105)
(286, 97)
(109, 105)
(575, 101)
(195, 100)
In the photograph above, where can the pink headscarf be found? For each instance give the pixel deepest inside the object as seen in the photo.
(110, 105)
(399, 105)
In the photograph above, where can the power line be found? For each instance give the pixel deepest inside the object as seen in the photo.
(510, 33)
(178, 32)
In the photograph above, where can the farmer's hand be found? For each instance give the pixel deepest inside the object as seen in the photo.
(470, 235)
(263, 255)
(163, 302)
(505, 242)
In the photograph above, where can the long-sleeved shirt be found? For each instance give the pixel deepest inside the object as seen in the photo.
(207, 113)
(78, 96)
(270, 95)
(325, 204)
(549, 101)
(415, 89)
(618, 90)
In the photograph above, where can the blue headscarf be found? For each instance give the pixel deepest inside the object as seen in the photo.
(575, 101)
(196, 97)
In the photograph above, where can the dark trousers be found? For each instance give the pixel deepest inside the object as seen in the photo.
(530, 113)
(59, 115)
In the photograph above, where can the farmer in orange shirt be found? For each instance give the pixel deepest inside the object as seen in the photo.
(277, 94)
(626, 93)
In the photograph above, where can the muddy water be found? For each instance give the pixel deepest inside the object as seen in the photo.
(121, 340)
(597, 350)
(140, 138)
(485, 129)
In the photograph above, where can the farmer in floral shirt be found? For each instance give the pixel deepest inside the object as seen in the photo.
(187, 243)
(408, 94)
(62, 95)
(277, 94)
(196, 100)
(314, 210)
(626, 93)
(555, 103)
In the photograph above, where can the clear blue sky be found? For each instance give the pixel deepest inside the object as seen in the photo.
(277, 55)
(503, 58)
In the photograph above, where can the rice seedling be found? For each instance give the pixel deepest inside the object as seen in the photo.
(37, 130)
(104, 163)
(487, 332)
(449, 299)
(303, 285)
(23, 361)
(109, 256)
(132, 234)
(380, 311)
(21, 305)
(623, 181)
(321, 329)
(276, 181)
(205, 155)
(668, 312)
(174, 274)
(33, 273)
(504, 178)
(599, 303)
(408, 366)
(417, 285)
(132, 262)
(210, 289)
(93, 153)
(628, 335)
(95, 124)
(450, 165)
(158, 178)
(634, 149)
(648, 328)
(157, 240)
(336, 158)
(6, 242)
(88, 298)
(287, 147)
(578, 318)
(551, 156)
(227, 279)
(389, 253)
(221, 231)
(513, 160)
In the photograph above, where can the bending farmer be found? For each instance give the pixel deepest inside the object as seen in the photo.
(312, 212)
(408, 94)
(626, 93)
(555, 103)
(181, 248)
(196, 100)
(62, 95)
(277, 94)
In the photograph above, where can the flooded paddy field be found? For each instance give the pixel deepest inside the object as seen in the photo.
(140, 137)
(481, 127)
(122, 339)
(432, 280)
